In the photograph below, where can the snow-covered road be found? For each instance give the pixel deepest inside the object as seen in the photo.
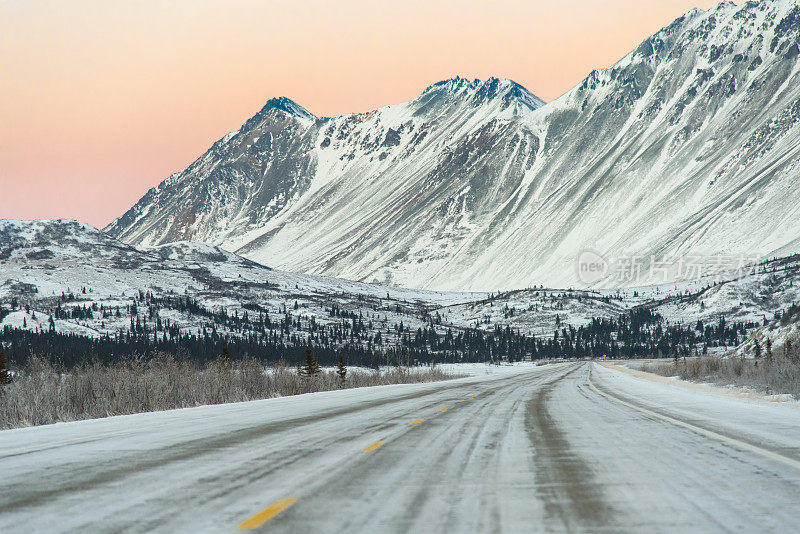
(574, 446)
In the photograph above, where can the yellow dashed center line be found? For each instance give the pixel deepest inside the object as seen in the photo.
(282, 504)
(266, 514)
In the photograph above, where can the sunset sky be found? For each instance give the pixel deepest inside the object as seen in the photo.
(101, 100)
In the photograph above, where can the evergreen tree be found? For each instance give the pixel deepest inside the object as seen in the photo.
(225, 357)
(756, 349)
(312, 365)
(341, 370)
(769, 350)
(5, 374)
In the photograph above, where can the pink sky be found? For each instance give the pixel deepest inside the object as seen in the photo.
(101, 100)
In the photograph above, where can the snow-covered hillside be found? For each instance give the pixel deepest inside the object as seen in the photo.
(46, 265)
(688, 145)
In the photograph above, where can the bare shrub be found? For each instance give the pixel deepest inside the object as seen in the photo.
(777, 375)
(42, 394)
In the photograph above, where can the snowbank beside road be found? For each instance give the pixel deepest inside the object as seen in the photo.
(774, 424)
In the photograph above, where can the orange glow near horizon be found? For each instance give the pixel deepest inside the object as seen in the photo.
(100, 101)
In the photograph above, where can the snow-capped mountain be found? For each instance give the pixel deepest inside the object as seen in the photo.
(688, 145)
(285, 174)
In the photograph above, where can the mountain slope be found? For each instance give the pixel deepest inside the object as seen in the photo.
(688, 145)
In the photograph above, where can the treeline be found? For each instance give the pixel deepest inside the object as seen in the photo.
(642, 333)
(68, 349)
(636, 334)
(362, 337)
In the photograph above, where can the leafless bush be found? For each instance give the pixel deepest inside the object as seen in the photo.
(42, 394)
(775, 375)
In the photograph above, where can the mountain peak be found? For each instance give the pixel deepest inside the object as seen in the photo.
(281, 104)
(480, 91)
(289, 106)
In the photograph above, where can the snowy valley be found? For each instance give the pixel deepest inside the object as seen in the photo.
(63, 277)
(475, 311)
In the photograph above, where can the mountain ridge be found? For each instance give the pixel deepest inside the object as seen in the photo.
(687, 145)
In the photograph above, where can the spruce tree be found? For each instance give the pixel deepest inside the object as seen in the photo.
(225, 357)
(769, 350)
(312, 365)
(756, 349)
(341, 370)
(5, 374)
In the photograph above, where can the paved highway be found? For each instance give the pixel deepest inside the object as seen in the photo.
(565, 447)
